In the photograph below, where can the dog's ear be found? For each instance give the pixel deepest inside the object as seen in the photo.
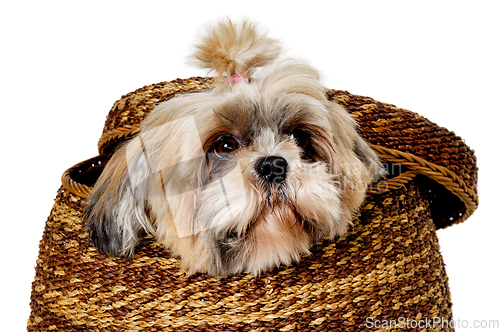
(369, 158)
(117, 210)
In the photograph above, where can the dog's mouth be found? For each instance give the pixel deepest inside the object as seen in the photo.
(233, 247)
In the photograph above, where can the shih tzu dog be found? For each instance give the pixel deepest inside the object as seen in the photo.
(242, 178)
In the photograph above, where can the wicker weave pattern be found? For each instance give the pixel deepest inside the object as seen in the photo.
(399, 129)
(388, 266)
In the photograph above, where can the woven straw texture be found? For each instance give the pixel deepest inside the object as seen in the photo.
(388, 265)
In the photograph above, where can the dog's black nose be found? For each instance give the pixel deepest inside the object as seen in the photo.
(272, 168)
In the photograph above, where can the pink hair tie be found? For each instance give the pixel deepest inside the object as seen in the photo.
(238, 78)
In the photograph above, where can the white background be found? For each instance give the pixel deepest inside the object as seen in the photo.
(63, 64)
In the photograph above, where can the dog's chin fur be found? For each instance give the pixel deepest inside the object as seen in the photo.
(221, 217)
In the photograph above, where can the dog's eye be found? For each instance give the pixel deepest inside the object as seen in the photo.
(224, 146)
(301, 138)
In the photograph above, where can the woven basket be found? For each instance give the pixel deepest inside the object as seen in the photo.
(388, 266)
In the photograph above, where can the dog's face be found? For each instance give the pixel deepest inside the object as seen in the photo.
(245, 177)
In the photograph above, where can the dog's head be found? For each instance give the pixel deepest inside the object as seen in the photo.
(244, 177)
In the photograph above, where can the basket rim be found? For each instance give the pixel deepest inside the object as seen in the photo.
(77, 188)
